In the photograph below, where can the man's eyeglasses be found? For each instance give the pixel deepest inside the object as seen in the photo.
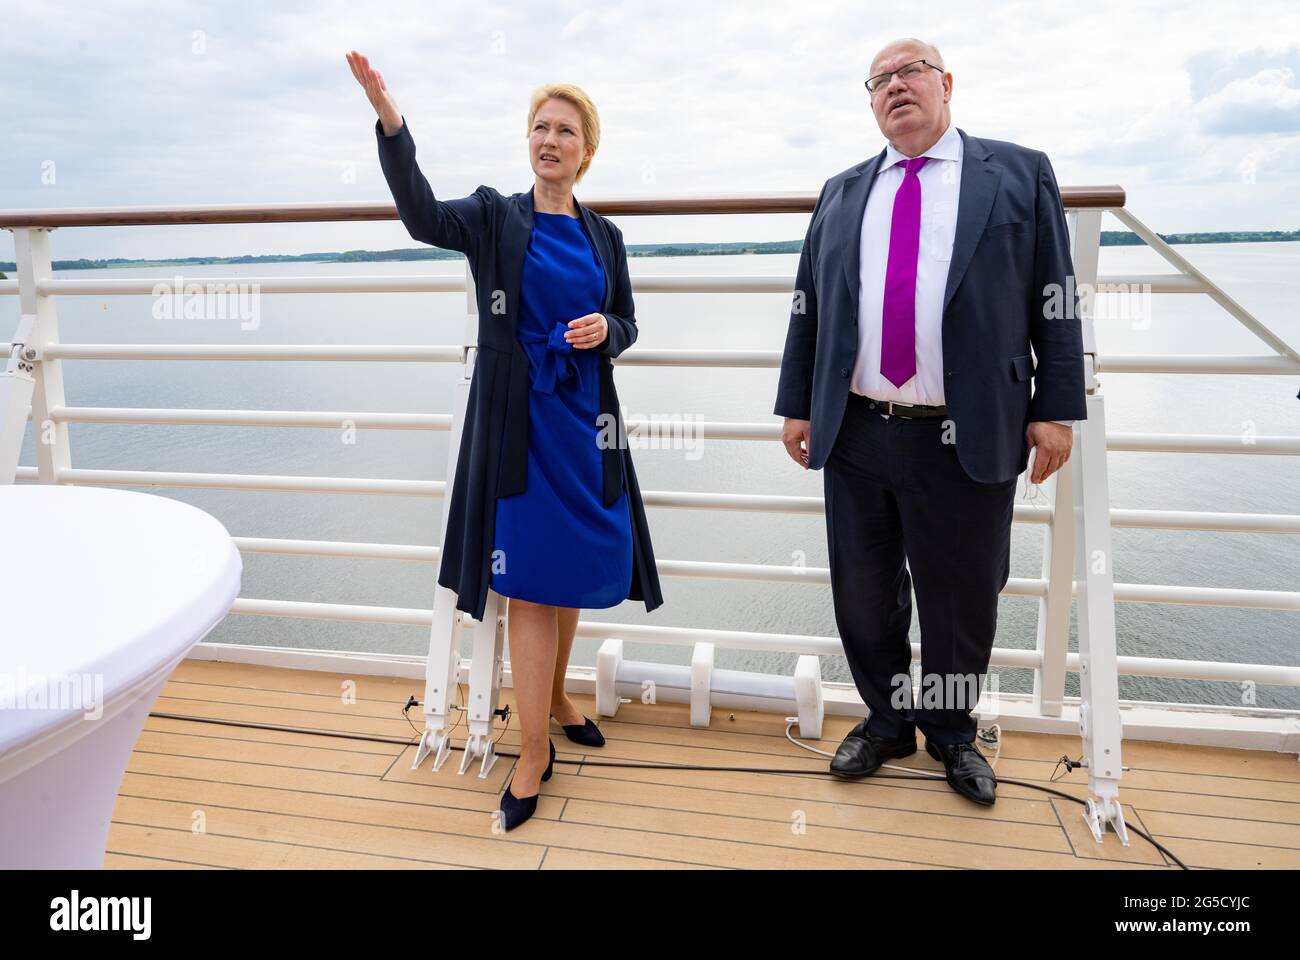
(907, 73)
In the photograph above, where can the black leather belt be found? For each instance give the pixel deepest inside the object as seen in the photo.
(911, 411)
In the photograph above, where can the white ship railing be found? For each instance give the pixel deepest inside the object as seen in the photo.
(1047, 709)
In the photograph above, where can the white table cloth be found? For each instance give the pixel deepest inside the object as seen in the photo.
(102, 593)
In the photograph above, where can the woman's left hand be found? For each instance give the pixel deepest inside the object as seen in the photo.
(587, 332)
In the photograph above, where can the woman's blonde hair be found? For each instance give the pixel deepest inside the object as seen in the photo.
(586, 109)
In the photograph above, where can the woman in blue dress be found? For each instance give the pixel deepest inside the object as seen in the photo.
(557, 545)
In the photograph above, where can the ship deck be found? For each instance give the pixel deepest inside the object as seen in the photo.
(275, 799)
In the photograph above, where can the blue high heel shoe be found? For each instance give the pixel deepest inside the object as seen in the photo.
(515, 810)
(585, 733)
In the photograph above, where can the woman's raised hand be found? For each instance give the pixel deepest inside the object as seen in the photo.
(390, 118)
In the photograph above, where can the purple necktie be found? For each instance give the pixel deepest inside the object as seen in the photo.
(898, 318)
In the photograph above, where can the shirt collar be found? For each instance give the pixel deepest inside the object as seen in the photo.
(947, 147)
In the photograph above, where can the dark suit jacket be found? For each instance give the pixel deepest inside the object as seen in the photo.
(493, 231)
(1011, 245)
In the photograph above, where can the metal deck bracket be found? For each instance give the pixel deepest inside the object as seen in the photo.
(1101, 811)
(17, 384)
(485, 669)
(441, 674)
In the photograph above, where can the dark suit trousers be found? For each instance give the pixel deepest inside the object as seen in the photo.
(901, 512)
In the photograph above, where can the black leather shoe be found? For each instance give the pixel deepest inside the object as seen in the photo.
(585, 733)
(863, 753)
(515, 810)
(967, 770)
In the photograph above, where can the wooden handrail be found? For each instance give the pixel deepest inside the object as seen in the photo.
(1072, 197)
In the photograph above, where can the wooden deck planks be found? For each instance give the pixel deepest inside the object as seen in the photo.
(276, 799)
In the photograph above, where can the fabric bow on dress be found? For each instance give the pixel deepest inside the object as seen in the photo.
(558, 362)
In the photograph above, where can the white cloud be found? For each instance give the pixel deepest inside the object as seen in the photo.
(1268, 102)
(695, 98)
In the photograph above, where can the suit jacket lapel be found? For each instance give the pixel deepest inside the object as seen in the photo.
(853, 204)
(603, 251)
(979, 185)
(516, 232)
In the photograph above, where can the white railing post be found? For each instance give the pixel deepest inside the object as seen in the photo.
(442, 670)
(1099, 718)
(1058, 559)
(487, 636)
(32, 252)
(1054, 608)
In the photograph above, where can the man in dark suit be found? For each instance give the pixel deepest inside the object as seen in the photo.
(927, 274)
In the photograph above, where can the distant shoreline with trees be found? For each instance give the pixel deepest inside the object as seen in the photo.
(1109, 238)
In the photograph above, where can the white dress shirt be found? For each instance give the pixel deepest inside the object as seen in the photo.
(940, 196)
(940, 192)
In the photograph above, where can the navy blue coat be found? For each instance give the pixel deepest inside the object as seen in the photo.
(493, 231)
(1011, 245)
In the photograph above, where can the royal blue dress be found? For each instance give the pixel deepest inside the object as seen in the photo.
(556, 542)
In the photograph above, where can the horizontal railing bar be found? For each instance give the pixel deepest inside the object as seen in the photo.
(1275, 364)
(345, 612)
(1215, 522)
(724, 570)
(664, 429)
(272, 546)
(1207, 596)
(1172, 669)
(415, 283)
(1015, 586)
(426, 488)
(256, 481)
(253, 418)
(641, 357)
(1023, 512)
(731, 501)
(230, 286)
(438, 353)
(652, 429)
(1201, 443)
(635, 357)
(1081, 197)
(1157, 282)
(455, 283)
(721, 283)
(782, 643)
(772, 573)
(1107, 363)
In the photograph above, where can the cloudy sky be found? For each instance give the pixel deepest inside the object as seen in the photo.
(1193, 107)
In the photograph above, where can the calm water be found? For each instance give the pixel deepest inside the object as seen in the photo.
(1264, 277)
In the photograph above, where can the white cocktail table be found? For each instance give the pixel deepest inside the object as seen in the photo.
(102, 593)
